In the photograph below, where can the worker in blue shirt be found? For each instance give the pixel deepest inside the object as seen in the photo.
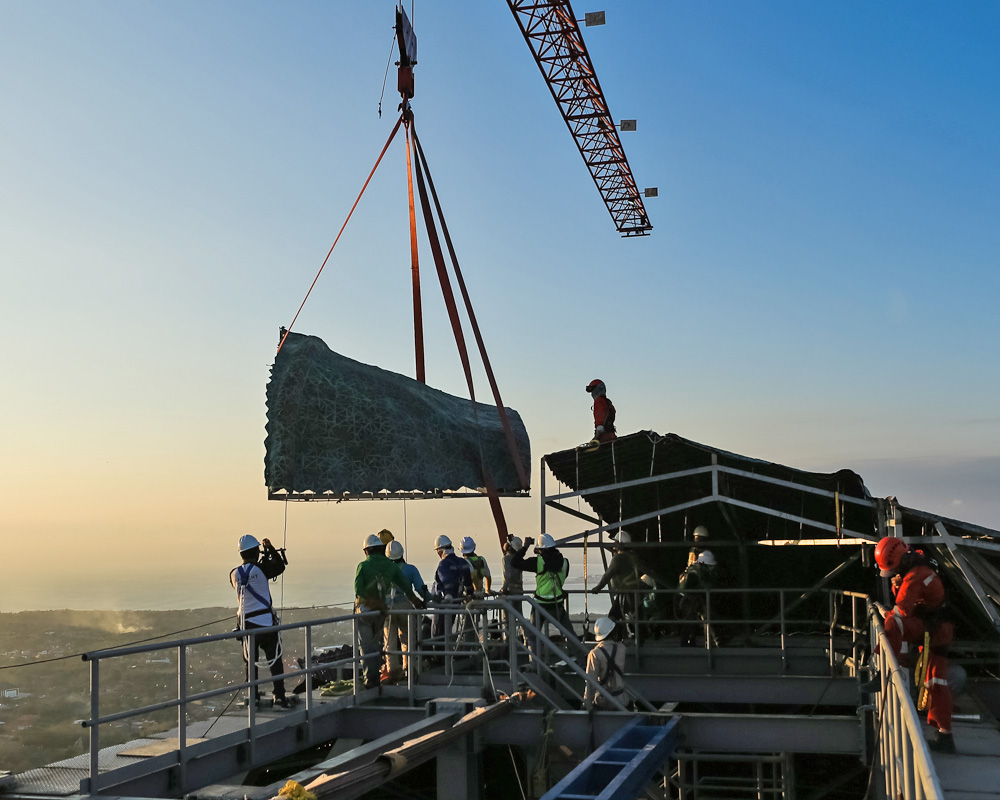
(396, 623)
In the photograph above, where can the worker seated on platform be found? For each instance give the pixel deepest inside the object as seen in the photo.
(606, 666)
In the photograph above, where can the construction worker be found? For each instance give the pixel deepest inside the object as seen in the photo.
(655, 605)
(396, 624)
(604, 412)
(605, 666)
(513, 579)
(625, 579)
(482, 580)
(551, 569)
(919, 609)
(699, 577)
(372, 583)
(256, 610)
(385, 535)
(452, 579)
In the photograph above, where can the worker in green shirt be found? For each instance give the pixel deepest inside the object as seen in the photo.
(372, 583)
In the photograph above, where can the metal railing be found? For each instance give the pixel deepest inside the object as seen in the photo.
(902, 750)
(492, 637)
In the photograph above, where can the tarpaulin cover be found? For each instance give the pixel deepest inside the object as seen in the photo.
(335, 425)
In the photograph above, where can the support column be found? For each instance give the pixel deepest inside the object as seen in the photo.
(459, 773)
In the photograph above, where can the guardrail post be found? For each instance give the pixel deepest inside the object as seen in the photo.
(411, 660)
(252, 695)
(95, 714)
(357, 654)
(784, 630)
(182, 714)
(309, 682)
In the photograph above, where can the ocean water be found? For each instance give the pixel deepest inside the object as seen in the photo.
(302, 586)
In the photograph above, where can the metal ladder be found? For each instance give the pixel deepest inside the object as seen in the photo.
(622, 766)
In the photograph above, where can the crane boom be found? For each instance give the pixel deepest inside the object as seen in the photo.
(553, 36)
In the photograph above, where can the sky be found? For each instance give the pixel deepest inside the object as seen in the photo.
(820, 288)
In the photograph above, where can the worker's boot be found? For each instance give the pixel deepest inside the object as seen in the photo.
(942, 743)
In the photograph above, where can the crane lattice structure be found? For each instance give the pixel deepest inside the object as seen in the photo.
(551, 30)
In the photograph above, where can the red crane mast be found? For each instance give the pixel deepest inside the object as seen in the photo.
(553, 35)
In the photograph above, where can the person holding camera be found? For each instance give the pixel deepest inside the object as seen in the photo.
(551, 569)
(255, 610)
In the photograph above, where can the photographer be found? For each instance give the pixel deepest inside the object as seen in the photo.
(551, 569)
(255, 610)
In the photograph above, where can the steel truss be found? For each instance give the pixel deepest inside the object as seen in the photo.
(553, 36)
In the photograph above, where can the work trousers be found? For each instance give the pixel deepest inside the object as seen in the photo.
(268, 642)
(370, 635)
(905, 631)
(396, 639)
(557, 610)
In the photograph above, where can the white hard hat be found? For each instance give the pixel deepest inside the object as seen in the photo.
(545, 542)
(707, 558)
(394, 550)
(248, 542)
(603, 628)
(441, 542)
(468, 545)
(701, 532)
(624, 537)
(372, 540)
(515, 543)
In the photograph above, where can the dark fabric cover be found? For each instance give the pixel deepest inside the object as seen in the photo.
(646, 453)
(336, 425)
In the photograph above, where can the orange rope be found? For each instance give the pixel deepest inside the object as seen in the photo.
(377, 162)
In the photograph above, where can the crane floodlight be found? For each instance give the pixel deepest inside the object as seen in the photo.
(592, 18)
(627, 125)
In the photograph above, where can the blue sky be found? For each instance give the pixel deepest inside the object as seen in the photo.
(820, 288)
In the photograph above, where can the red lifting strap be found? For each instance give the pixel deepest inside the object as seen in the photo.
(456, 326)
(507, 430)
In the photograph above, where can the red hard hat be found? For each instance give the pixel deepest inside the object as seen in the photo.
(594, 384)
(889, 553)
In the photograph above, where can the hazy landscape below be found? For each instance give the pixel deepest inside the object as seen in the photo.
(45, 685)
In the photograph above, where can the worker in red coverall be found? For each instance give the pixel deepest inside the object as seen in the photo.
(920, 608)
(604, 412)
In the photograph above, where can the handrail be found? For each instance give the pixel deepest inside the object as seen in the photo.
(454, 647)
(906, 761)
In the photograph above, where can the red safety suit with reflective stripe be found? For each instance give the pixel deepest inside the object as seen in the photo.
(919, 596)
(604, 414)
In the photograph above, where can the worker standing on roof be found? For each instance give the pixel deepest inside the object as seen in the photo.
(372, 583)
(625, 579)
(482, 580)
(452, 579)
(699, 578)
(606, 666)
(257, 611)
(919, 609)
(604, 412)
(397, 624)
(551, 569)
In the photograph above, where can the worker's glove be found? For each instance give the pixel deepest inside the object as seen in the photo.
(897, 581)
(595, 590)
(598, 431)
(528, 541)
